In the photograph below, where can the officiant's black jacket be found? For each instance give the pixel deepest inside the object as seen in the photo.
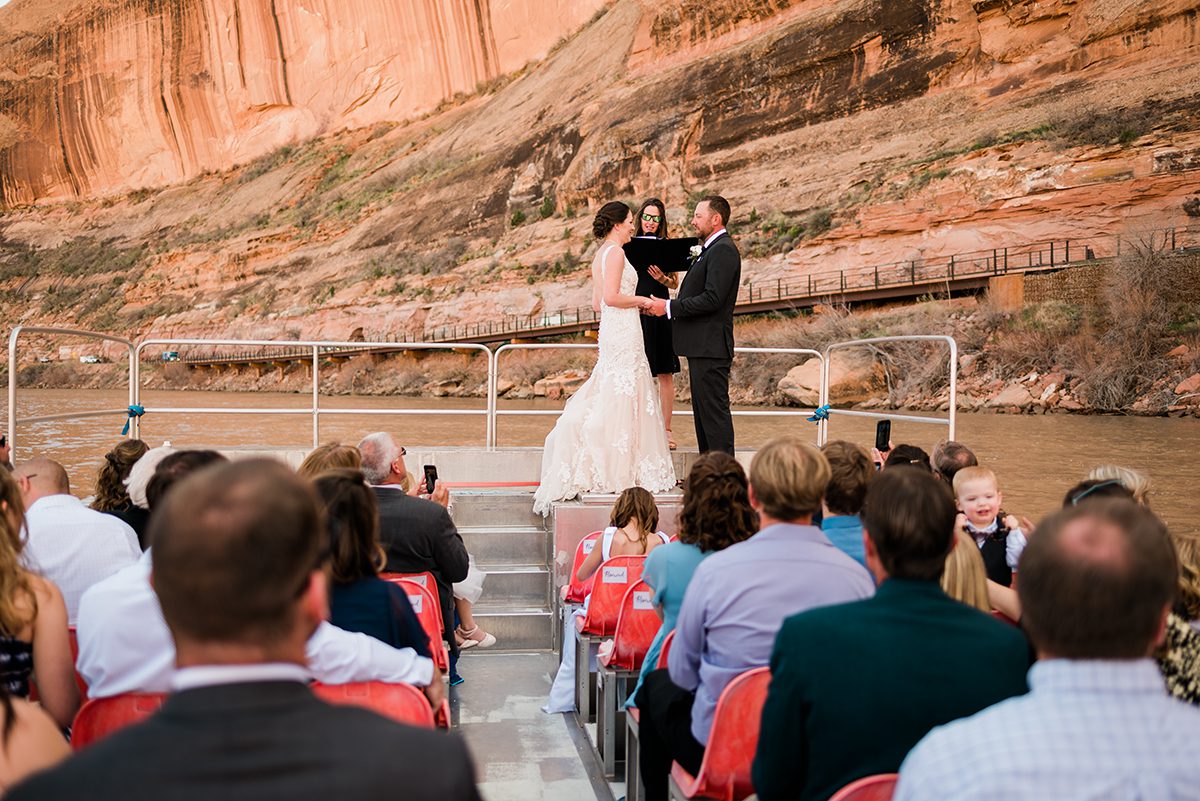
(261, 741)
(702, 314)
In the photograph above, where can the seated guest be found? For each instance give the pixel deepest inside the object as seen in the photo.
(906, 660)
(238, 555)
(851, 472)
(124, 644)
(1095, 488)
(417, 534)
(949, 457)
(358, 599)
(716, 513)
(30, 740)
(1133, 480)
(908, 455)
(112, 496)
(66, 542)
(141, 473)
(736, 602)
(964, 578)
(632, 531)
(329, 456)
(34, 642)
(1097, 584)
(998, 535)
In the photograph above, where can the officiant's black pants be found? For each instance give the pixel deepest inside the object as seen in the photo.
(710, 403)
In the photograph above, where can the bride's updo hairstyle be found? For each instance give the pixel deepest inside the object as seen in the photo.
(611, 214)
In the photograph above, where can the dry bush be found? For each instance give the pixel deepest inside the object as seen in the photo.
(1039, 337)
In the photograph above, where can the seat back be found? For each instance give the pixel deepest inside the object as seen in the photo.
(725, 772)
(869, 788)
(637, 623)
(665, 651)
(578, 590)
(427, 581)
(403, 703)
(100, 717)
(613, 579)
(424, 604)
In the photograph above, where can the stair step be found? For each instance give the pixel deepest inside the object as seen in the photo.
(515, 628)
(519, 585)
(505, 544)
(495, 509)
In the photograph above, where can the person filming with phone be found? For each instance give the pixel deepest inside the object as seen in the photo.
(417, 534)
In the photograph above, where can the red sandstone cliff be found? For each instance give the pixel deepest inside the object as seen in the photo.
(860, 131)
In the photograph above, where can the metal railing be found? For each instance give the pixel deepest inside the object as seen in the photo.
(314, 347)
(491, 411)
(14, 337)
(497, 412)
(949, 422)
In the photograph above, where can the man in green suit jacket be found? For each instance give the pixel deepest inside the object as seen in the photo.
(855, 686)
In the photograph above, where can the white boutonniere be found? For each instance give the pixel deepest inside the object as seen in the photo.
(695, 252)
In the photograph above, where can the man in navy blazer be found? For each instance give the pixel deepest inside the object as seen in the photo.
(855, 686)
(702, 323)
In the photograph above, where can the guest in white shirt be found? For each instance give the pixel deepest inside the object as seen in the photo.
(67, 542)
(125, 646)
(239, 571)
(1097, 583)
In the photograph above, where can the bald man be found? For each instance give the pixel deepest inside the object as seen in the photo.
(67, 542)
(1097, 583)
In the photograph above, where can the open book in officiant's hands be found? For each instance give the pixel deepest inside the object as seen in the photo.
(669, 255)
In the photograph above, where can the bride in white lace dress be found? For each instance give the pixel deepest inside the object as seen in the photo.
(611, 435)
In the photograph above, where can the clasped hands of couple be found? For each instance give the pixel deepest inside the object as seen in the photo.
(652, 306)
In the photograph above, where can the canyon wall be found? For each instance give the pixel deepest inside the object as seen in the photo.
(113, 96)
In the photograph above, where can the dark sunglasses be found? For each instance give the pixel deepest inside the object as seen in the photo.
(651, 217)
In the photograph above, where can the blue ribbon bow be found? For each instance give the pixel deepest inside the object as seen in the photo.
(820, 413)
(134, 411)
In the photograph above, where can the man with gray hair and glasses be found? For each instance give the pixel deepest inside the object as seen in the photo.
(417, 535)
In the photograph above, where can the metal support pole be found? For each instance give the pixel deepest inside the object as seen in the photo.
(316, 402)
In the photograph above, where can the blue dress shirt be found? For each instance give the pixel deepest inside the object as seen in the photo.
(846, 533)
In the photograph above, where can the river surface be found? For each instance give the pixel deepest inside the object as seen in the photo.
(1038, 458)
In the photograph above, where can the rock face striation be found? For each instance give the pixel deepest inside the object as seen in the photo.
(116, 95)
(343, 191)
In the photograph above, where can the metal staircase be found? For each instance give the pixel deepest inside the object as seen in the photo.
(512, 544)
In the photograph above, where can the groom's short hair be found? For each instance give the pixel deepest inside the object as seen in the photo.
(718, 204)
(789, 476)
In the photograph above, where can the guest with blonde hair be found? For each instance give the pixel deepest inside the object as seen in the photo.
(964, 579)
(1136, 482)
(34, 641)
(330, 456)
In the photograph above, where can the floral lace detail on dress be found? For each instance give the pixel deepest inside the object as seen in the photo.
(611, 434)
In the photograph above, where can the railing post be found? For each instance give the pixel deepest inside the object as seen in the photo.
(810, 285)
(842, 279)
(1067, 252)
(1051, 253)
(913, 271)
(316, 408)
(1006, 260)
(877, 276)
(952, 268)
(778, 288)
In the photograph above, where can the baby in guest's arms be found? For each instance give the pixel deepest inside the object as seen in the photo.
(999, 536)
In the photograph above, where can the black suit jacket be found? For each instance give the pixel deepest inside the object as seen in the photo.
(261, 741)
(418, 535)
(855, 686)
(702, 314)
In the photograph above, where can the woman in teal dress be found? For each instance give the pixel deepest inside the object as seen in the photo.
(716, 514)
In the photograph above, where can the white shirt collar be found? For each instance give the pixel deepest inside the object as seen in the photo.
(212, 675)
(58, 501)
(713, 236)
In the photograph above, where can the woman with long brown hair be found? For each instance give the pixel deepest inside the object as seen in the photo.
(34, 639)
(112, 495)
(716, 513)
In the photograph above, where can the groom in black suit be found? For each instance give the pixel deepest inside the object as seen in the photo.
(702, 318)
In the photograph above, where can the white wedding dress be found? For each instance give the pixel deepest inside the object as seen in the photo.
(611, 434)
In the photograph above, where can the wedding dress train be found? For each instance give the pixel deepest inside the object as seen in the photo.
(610, 435)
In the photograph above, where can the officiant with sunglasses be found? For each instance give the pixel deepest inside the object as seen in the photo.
(651, 220)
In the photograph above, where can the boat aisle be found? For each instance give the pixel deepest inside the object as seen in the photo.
(520, 752)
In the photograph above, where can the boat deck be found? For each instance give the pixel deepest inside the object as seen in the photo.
(520, 752)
